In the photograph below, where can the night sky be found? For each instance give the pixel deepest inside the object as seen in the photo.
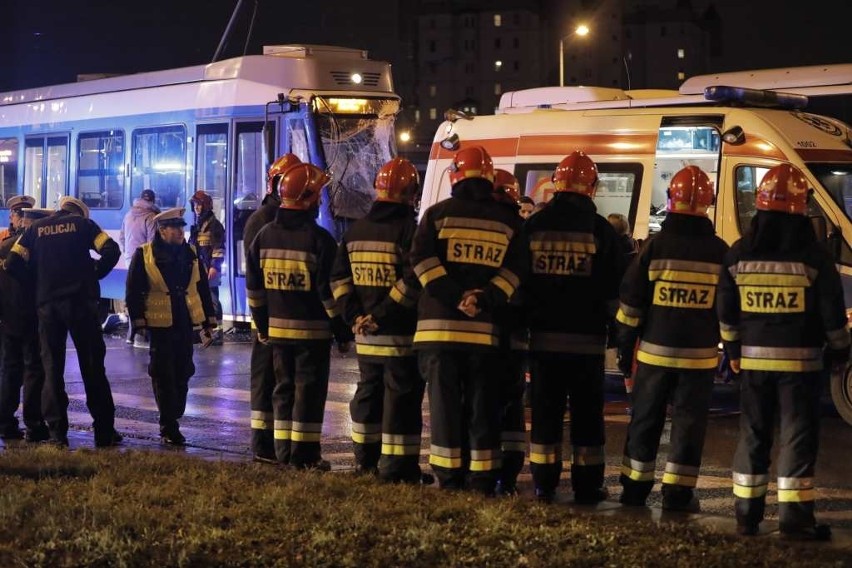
(51, 41)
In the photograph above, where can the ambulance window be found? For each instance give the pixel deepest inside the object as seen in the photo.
(748, 178)
(837, 179)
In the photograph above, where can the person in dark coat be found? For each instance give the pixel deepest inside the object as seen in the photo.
(168, 295)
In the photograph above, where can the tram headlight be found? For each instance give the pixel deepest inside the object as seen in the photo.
(357, 78)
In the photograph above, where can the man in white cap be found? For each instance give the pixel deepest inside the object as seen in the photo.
(168, 295)
(57, 251)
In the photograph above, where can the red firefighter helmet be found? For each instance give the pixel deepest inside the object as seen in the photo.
(690, 192)
(506, 187)
(576, 173)
(473, 162)
(277, 168)
(397, 181)
(201, 197)
(784, 188)
(300, 186)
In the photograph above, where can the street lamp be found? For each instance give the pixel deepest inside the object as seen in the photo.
(582, 30)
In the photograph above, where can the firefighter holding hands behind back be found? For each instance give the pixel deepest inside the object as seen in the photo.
(571, 294)
(368, 282)
(782, 318)
(668, 302)
(287, 278)
(469, 258)
(168, 296)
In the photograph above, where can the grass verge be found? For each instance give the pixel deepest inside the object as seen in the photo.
(150, 509)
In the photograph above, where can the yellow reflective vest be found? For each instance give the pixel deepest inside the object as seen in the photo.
(158, 303)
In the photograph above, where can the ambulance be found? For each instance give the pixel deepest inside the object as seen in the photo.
(734, 126)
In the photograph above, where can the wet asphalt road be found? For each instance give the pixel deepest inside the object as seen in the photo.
(217, 424)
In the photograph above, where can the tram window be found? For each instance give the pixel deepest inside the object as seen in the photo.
(211, 163)
(46, 169)
(249, 182)
(159, 163)
(298, 139)
(100, 169)
(34, 168)
(8, 168)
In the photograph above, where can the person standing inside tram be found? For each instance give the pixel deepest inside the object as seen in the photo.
(782, 318)
(22, 364)
(137, 228)
(368, 282)
(168, 296)
(668, 302)
(572, 294)
(207, 235)
(287, 278)
(262, 372)
(57, 249)
(470, 258)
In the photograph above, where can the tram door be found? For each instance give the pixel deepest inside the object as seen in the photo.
(46, 168)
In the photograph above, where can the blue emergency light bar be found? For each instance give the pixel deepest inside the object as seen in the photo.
(755, 97)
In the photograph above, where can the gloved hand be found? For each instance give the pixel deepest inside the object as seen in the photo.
(468, 304)
(625, 361)
(365, 325)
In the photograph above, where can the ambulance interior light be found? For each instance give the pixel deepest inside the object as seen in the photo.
(755, 97)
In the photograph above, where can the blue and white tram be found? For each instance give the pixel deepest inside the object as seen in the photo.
(202, 127)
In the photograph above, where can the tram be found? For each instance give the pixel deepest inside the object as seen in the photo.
(214, 127)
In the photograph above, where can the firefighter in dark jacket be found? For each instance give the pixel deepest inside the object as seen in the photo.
(368, 283)
(168, 296)
(782, 316)
(287, 281)
(21, 359)
(668, 302)
(470, 258)
(510, 359)
(57, 250)
(571, 294)
(262, 372)
(208, 237)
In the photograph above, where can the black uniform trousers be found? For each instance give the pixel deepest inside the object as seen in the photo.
(77, 315)
(170, 369)
(217, 305)
(580, 378)
(509, 369)
(464, 406)
(387, 408)
(792, 399)
(21, 367)
(298, 400)
(262, 378)
(689, 392)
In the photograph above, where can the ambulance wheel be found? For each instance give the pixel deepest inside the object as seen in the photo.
(841, 393)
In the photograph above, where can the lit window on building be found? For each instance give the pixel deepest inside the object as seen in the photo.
(498, 89)
(680, 54)
(433, 113)
(681, 75)
(417, 115)
(498, 65)
(433, 90)
(498, 20)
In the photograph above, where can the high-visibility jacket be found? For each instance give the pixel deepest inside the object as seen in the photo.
(166, 288)
(467, 242)
(287, 279)
(368, 279)
(57, 248)
(778, 312)
(576, 267)
(669, 294)
(209, 238)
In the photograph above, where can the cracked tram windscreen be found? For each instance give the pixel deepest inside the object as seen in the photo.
(355, 148)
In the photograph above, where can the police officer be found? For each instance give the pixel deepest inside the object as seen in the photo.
(21, 360)
(208, 237)
(511, 356)
(782, 313)
(262, 371)
(168, 295)
(57, 249)
(287, 279)
(572, 292)
(470, 258)
(668, 300)
(367, 281)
